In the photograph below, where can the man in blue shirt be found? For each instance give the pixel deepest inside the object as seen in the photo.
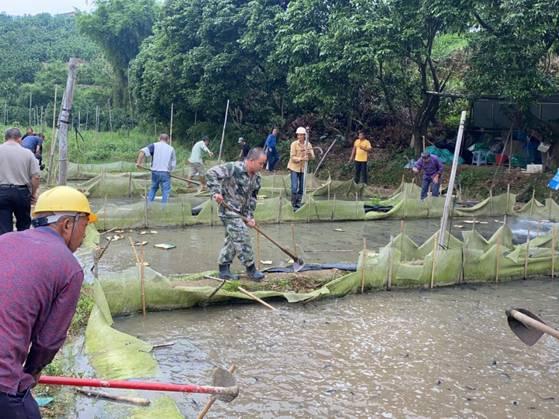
(34, 143)
(270, 149)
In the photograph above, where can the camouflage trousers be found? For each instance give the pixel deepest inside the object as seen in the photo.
(237, 242)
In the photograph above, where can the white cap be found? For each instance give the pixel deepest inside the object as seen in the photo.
(301, 130)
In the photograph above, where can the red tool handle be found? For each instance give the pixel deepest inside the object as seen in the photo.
(135, 385)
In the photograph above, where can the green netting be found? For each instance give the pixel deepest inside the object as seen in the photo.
(502, 204)
(411, 208)
(345, 190)
(400, 264)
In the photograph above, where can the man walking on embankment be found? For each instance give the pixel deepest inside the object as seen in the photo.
(40, 281)
(196, 160)
(432, 171)
(163, 162)
(360, 155)
(237, 184)
(270, 147)
(19, 182)
(300, 152)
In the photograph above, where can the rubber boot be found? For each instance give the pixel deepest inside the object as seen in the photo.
(253, 274)
(294, 202)
(225, 273)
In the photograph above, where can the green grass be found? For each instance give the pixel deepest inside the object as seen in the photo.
(106, 147)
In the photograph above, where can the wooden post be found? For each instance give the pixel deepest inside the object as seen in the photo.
(293, 238)
(171, 125)
(553, 246)
(402, 231)
(508, 200)
(129, 184)
(532, 202)
(52, 141)
(334, 207)
(64, 120)
(450, 188)
(363, 259)
(145, 206)
(490, 202)
(97, 118)
(110, 115)
(280, 205)
(527, 254)
(435, 242)
(223, 131)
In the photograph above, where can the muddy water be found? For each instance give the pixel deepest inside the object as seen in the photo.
(441, 353)
(198, 246)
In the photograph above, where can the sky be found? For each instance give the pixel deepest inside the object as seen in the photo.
(33, 7)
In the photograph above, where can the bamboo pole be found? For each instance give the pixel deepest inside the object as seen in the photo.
(508, 200)
(293, 238)
(171, 125)
(390, 257)
(124, 399)
(498, 256)
(223, 131)
(212, 399)
(258, 250)
(255, 298)
(532, 202)
(140, 264)
(145, 206)
(435, 242)
(363, 259)
(142, 281)
(553, 246)
(527, 254)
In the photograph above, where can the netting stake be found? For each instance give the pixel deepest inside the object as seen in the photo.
(527, 253)
(293, 238)
(129, 184)
(508, 200)
(363, 265)
(145, 206)
(553, 245)
(389, 281)
(280, 205)
(434, 258)
(498, 256)
(334, 207)
(142, 282)
(402, 230)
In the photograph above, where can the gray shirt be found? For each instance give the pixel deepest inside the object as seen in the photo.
(17, 165)
(163, 157)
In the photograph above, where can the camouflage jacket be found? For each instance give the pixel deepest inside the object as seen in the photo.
(238, 188)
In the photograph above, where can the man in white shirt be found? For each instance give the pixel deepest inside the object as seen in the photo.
(163, 162)
(197, 162)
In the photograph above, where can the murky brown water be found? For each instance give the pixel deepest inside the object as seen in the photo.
(441, 353)
(198, 246)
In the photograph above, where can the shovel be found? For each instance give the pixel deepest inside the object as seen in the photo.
(224, 386)
(527, 326)
(298, 263)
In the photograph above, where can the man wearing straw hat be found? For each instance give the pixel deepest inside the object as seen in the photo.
(40, 282)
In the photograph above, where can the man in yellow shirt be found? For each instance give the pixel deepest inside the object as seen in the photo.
(300, 152)
(360, 154)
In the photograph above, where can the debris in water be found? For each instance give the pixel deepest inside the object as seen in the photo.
(143, 243)
(338, 229)
(458, 226)
(266, 262)
(43, 401)
(165, 246)
(153, 231)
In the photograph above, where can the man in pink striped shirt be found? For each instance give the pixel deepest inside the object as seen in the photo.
(40, 281)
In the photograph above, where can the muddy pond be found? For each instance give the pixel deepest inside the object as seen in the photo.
(414, 353)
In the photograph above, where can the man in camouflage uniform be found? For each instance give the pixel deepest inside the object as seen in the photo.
(237, 184)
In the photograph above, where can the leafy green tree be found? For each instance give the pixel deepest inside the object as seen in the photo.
(119, 27)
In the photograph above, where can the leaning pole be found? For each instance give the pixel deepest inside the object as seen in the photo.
(450, 189)
(64, 120)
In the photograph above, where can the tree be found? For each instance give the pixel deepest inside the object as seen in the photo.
(119, 27)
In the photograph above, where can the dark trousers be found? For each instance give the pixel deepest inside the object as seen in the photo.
(297, 185)
(20, 406)
(14, 200)
(428, 180)
(360, 172)
(273, 157)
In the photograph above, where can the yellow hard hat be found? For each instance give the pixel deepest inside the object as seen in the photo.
(64, 199)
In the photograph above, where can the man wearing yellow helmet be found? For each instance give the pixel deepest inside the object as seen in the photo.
(38, 294)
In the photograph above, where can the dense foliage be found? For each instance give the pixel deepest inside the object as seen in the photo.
(336, 65)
